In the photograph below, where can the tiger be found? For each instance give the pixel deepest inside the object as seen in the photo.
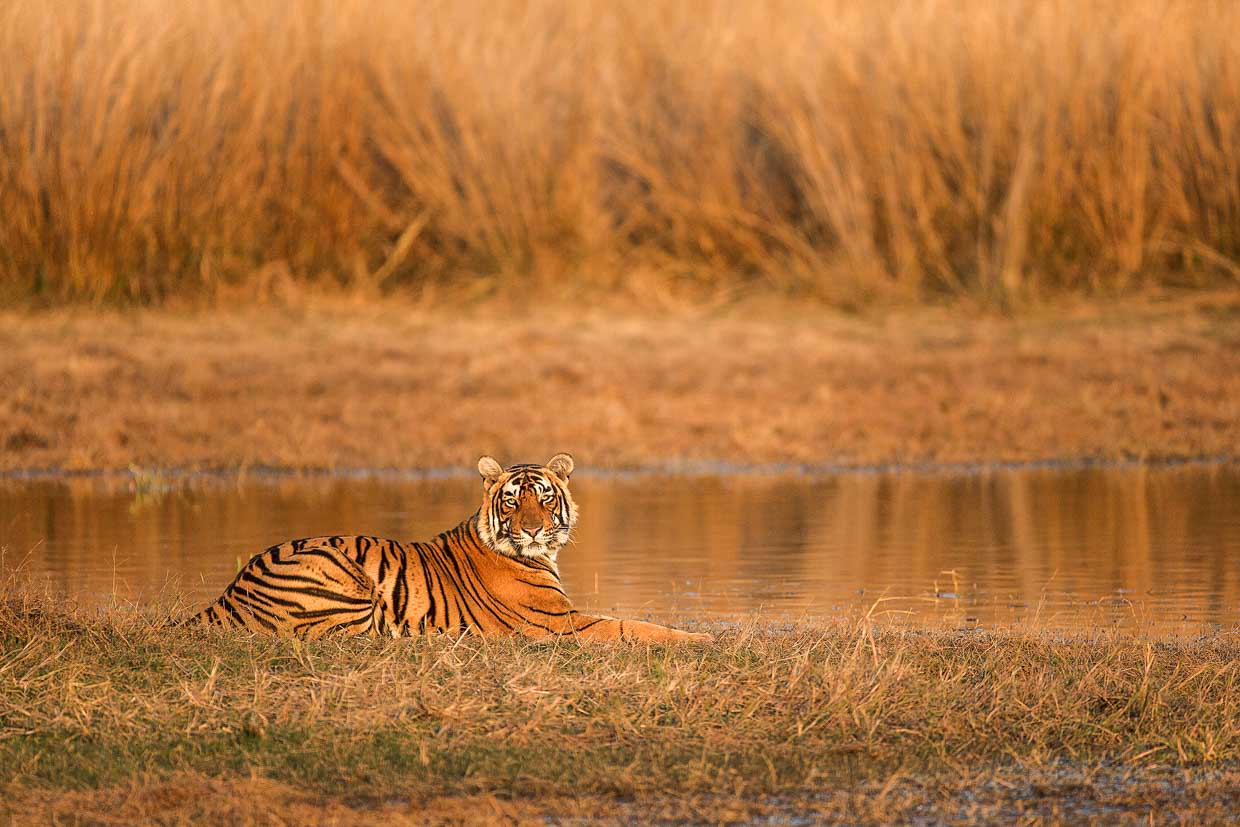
(493, 574)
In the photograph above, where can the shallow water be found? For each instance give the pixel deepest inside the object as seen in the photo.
(1155, 550)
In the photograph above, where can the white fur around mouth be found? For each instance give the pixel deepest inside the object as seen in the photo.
(545, 549)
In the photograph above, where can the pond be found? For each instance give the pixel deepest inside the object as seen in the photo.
(1155, 550)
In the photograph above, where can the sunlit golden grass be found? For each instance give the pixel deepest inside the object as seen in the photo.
(95, 700)
(854, 151)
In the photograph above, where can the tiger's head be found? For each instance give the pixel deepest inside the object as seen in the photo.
(526, 509)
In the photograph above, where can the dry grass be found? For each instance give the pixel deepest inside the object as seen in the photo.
(855, 151)
(107, 715)
(377, 386)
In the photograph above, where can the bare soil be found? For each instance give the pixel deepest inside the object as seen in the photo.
(1059, 796)
(340, 385)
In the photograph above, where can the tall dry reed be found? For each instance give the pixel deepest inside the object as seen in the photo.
(858, 151)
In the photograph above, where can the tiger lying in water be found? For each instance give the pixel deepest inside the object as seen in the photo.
(495, 573)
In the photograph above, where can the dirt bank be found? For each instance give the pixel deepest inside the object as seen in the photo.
(344, 385)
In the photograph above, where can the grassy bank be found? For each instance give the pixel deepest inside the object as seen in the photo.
(858, 152)
(107, 714)
(370, 385)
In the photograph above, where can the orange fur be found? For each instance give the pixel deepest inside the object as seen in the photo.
(495, 573)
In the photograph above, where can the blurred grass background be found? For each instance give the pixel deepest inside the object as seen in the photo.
(896, 151)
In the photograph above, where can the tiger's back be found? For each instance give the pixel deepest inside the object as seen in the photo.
(350, 585)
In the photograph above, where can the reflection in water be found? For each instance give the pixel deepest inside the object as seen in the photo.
(1157, 549)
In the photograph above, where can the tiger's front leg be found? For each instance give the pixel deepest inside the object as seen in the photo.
(602, 628)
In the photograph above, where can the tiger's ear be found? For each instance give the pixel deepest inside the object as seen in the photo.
(489, 469)
(561, 465)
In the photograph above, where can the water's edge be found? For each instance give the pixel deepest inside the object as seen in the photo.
(693, 468)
